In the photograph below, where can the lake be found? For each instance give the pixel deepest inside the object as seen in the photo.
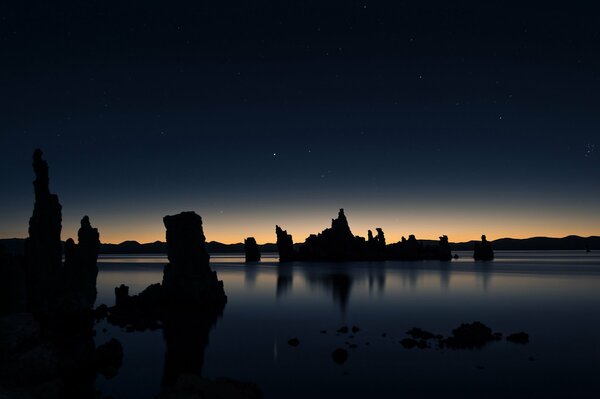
(554, 296)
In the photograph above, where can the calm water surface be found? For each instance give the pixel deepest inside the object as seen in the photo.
(554, 296)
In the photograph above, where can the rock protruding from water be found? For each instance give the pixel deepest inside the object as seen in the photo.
(43, 248)
(483, 250)
(336, 243)
(470, 335)
(251, 249)
(188, 278)
(376, 245)
(444, 252)
(80, 267)
(285, 245)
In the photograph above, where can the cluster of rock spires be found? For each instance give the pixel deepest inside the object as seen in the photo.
(46, 324)
(47, 318)
(337, 243)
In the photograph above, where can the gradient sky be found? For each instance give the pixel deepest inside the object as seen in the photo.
(425, 118)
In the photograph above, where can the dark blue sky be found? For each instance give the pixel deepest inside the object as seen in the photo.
(456, 118)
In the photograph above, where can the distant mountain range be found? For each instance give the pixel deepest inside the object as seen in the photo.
(15, 245)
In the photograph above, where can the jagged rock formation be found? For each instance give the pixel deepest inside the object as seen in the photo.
(336, 243)
(376, 245)
(410, 249)
(285, 245)
(251, 249)
(483, 250)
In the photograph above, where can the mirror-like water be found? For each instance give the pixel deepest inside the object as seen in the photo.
(554, 296)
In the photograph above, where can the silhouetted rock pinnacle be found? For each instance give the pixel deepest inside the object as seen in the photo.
(444, 252)
(43, 248)
(483, 250)
(80, 268)
(251, 249)
(188, 278)
(285, 245)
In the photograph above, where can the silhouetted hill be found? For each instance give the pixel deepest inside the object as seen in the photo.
(15, 245)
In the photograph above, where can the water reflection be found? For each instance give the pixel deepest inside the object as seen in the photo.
(186, 339)
(285, 279)
(270, 303)
(485, 274)
(338, 284)
(376, 275)
(445, 271)
(250, 273)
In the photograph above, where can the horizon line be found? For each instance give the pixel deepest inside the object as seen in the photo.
(300, 242)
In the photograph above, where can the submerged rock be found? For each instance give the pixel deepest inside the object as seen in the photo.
(339, 356)
(251, 249)
(418, 333)
(518, 338)
(470, 335)
(294, 342)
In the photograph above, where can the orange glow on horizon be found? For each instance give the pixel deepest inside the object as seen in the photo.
(425, 224)
(391, 237)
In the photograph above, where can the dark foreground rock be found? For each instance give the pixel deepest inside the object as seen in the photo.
(47, 348)
(109, 358)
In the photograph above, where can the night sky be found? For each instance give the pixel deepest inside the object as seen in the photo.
(421, 117)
